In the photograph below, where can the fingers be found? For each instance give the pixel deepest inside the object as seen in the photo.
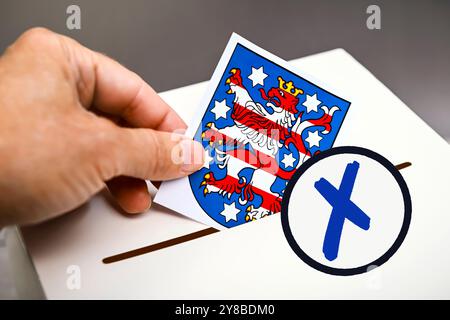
(124, 157)
(130, 193)
(155, 155)
(123, 93)
(107, 86)
(115, 90)
(110, 88)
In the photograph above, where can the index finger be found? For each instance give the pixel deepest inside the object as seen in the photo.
(115, 90)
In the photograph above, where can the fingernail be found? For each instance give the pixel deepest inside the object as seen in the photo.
(192, 154)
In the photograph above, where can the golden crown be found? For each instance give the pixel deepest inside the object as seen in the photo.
(289, 87)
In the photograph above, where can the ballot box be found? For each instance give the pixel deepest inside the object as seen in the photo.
(97, 252)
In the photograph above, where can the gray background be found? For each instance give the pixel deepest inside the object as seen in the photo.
(175, 43)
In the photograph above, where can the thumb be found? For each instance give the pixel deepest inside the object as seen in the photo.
(155, 155)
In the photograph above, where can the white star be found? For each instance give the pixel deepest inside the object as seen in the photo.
(208, 159)
(230, 212)
(313, 138)
(311, 103)
(288, 160)
(257, 76)
(220, 109)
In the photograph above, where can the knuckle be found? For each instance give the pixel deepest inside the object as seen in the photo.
(101, 148)
(134, 104)
(36, 35)
(160, 154)
(156, 152)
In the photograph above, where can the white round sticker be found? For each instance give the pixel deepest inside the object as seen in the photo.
(345, 210)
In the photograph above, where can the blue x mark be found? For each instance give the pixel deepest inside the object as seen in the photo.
(343, 208)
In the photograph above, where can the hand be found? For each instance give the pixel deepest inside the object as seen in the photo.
(60, 138)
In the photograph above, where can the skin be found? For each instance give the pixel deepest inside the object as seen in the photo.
(73, 120)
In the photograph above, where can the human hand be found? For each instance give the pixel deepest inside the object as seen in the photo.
(60, 139)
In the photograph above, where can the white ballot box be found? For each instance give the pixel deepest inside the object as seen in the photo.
(65, 257)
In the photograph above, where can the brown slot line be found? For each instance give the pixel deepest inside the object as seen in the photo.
(402, 165)
(160, 245)
(183, 238)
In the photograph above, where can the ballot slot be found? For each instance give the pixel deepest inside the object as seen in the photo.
(160, 245)
(183, 238)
